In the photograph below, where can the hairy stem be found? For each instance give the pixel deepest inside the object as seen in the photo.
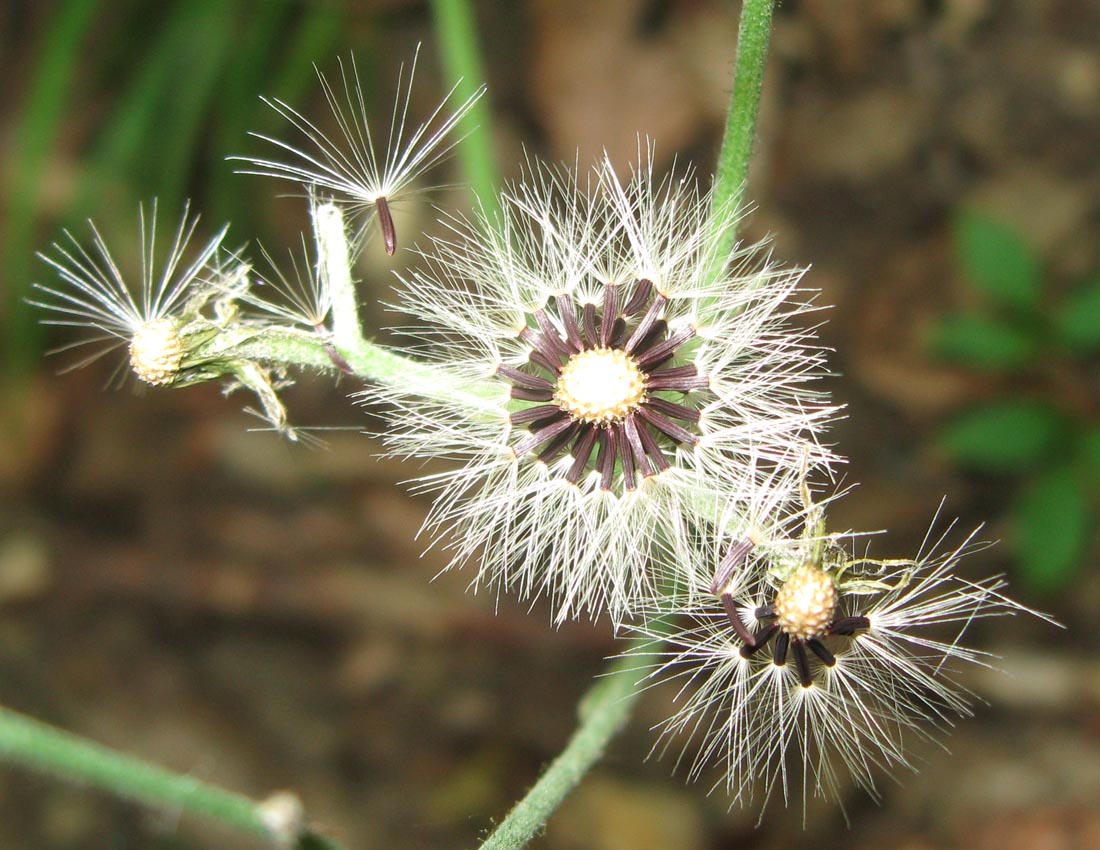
(457, 32)
(334, 268)
(733, 159)
(61, 754)
(606, 708)
(603, 710)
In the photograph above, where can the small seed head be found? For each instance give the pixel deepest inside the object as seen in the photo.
(156, 351)
(600, 386)
(806, 603)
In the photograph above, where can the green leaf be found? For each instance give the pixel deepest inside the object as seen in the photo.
(1077, 319)
(1005, 436)
(997, 260)
(150, 141)
(982, 343)
(1050, 529)
(275, 58)
(1087, 459)
(37, 126)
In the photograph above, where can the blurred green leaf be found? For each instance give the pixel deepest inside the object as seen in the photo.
(316, 38)
(275, 58)
(982, 343)
(1005, 436)
(149, 142)
(38, 125)
(256, 50)
(1087, 458)
(1050, 529)
(1077, 318)
(997, 260)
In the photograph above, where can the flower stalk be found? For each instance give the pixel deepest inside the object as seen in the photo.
(44, 748)
(334, 267)
(733, 160)
(603, 712)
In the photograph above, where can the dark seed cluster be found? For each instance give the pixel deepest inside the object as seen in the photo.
(634, 437)
(786, 642)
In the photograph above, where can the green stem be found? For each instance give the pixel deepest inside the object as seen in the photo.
(334, 268)
(44, 748)
(456, 29)
(295, 348)
(608, 705)
(604, 710)
(733, 159)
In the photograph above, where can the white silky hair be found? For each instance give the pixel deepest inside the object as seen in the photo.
(517, 521)
(766, 736)
(95, 293)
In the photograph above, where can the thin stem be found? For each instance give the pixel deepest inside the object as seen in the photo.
(733, 160)
(604, 711)
(334, 271)
(44, 748)
(456, 29)
(370, 361)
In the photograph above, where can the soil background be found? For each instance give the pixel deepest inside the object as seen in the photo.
(261, 617)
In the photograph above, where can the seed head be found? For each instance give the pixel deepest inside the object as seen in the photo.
(156, 351)
(144, 312)
(607, 376)
(600, 386)
(806, 603)
(799, 690)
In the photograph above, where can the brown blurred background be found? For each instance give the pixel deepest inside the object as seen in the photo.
(259, 616)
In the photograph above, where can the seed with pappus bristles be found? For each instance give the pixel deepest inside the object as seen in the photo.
(350, 165)
(156, 351)
(606, 379)
(796, 682)
(141, 312)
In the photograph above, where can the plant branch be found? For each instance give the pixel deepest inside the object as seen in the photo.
(334, 269)
(607, 706)
(39, 746)
(732, 171)
(603, 711)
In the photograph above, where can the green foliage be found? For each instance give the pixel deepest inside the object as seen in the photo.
(1077, 319)
(1050, 522)
(997, 261)
(162, 84)
(1032, 427)
(1005, 436)
(982, 343)
(1088, 456)
(37, 128)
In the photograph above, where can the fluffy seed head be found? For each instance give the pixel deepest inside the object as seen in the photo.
(141, 308)
(600, 386)
(608, 374)
(156, 351)
(800, 690)
(806, 603)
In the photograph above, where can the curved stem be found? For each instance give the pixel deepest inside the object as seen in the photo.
(733, 159)
(604, 711)
(39, 746)
(607, 706)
